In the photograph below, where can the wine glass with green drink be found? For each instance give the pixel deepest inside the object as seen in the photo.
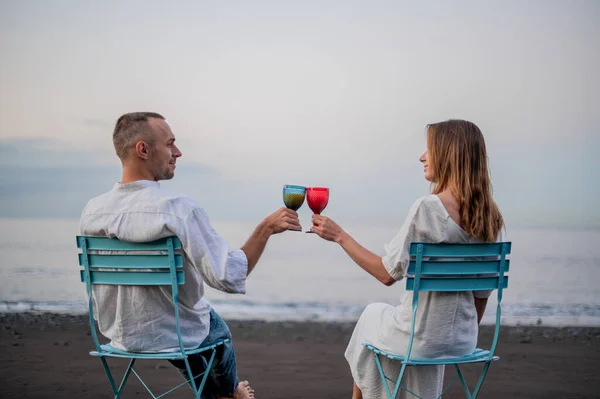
(293, 196)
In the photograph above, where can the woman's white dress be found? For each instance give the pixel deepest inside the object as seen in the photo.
(446, 322)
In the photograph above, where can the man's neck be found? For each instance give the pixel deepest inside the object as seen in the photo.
(130, 175)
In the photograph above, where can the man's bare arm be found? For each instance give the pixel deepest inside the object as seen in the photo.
(281, 220)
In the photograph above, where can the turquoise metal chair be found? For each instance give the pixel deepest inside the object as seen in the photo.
(145, 264)
(451, 267)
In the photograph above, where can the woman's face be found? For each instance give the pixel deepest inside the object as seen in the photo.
(427, 168)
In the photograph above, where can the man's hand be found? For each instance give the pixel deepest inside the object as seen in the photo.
(281, 220)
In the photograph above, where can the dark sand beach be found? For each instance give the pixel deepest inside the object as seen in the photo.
(46, 356)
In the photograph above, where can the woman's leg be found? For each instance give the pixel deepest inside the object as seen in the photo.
(356, 393)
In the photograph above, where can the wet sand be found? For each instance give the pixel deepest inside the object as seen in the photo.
(46, 356)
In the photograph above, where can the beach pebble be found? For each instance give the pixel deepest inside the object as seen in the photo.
(527, 338)
(574, 331)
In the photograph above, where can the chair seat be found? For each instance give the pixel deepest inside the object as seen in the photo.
(110, 351)
(479, 355)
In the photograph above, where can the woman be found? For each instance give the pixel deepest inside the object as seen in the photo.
(459, 210)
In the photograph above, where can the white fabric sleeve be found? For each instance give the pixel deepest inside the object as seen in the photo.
(424, 223)
(222, 268)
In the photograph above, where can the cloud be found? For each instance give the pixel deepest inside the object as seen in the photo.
(62, 191)
(41, 177)
(47, 152)
(97, 122)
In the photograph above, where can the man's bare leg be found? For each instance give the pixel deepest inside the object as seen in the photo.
(243, 391)
(356, 393)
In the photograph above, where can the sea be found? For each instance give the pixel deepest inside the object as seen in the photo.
(554, 278)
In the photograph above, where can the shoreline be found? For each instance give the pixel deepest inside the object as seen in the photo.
(247, 314)
(45, 355)
(37, 317)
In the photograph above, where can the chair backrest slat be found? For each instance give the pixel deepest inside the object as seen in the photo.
(131, 261)
(131, 278)
(460, 250)
(112, 244)
(458, 266)
(457, 284)
(115, 262)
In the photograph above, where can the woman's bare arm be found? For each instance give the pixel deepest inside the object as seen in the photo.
(366, 259)
(480, 304)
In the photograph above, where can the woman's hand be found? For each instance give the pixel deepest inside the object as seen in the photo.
(327, 228)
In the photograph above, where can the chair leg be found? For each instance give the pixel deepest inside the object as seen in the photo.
(397, 388)
(383, 377)
(117, 391)
(447, 387)
(126, 375)
(191, 377)
(481, 378)
(463, 381)
(398, 385)
(113, 386)
(207, 371)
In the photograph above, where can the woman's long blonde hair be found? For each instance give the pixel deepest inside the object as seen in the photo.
(459, 158)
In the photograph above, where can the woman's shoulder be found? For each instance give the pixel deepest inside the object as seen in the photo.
(428, 210)
(429, 203)
(425, 220)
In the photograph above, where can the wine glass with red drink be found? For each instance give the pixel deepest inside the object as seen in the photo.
(317, 199)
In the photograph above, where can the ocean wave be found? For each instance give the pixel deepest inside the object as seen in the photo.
(512, 314)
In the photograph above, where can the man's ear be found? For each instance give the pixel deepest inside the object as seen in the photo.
(142, 149)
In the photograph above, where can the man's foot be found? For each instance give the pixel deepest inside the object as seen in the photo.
(243, 391)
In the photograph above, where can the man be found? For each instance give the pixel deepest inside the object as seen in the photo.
(137, 209)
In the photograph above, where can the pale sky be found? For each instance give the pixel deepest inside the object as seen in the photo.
(332, 93)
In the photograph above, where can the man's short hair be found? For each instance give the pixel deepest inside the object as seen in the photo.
(130, 128)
